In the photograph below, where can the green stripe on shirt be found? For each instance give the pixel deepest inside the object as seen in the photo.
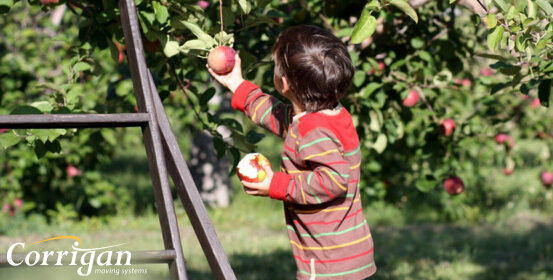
(338, 273)
(268, 110)
(309, 186)
(317, 141)
(329, 233)
(353, 152)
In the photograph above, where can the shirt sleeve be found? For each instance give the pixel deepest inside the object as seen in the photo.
(263, 109)
(326, 176)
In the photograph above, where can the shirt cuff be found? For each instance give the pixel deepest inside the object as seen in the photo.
(240, 96)
(279, 185)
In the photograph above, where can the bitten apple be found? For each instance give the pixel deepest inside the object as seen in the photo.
(412, 99)
(250, 168)
(221, 59)
(454, 185)
(447, 127)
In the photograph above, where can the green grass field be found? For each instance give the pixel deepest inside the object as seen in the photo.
(513, 241)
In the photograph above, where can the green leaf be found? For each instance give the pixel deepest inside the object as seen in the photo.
(81, 66)
(196, 30)
(9, 139)
(406, 8)
(359, 78)
(376, 120)
(43, 106)
(502, 5)
(381, 142)
(245, 6)
(544, 92)
(545, 6)
(162, 14)
(40, 149)
(206, 96)
(220, 146)
(254, 137)
(491, 21)
(171, 48)
(494, 37)
(53, 147)
(531, 9)
(55, 133)
(5, 6)
(364, 28)
(195, 44)
(417, 43)
(26, 110)
(426, 183)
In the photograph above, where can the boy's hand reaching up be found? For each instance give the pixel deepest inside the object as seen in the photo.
(261, 188)
(230, 80)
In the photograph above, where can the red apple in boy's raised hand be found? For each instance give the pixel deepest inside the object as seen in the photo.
(447, 127)
(250, 168)
(454, 185)
(221, 59)
(547, 178)
(412, 99)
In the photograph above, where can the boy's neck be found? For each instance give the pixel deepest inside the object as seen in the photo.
(298, 108)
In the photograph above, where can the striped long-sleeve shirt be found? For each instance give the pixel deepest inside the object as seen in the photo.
(319, 185)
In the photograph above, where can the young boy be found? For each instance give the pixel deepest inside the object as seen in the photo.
(321, 158)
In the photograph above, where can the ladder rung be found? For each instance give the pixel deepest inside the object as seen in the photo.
(74, 120)
(137, 257)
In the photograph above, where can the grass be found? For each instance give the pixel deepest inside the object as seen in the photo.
(514, 240)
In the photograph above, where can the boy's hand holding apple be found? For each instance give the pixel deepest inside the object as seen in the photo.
(255, 173)
(218, 64)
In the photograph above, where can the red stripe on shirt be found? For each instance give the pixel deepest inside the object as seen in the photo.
(290, 149)
(353, 181)
(331, 222)
(337, 162)
(292, 190)
(336, 260)
(273, 124)
(322, 185)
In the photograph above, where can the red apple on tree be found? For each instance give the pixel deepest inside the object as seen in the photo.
(203, 4)
(412, 99)
(447, 127)
(508, 171)
(221, 59)
(72, 171)
(486, 72)
(502, 138)
(250, 168)
(49, 2)
(535, 103)
(381, 66)
(547, 179)
(454, 185)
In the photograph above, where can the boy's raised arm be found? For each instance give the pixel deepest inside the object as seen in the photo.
(263, 109)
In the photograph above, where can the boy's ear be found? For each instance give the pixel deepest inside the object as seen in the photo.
(285, 85)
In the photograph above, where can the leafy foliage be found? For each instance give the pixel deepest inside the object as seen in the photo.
(463, 67)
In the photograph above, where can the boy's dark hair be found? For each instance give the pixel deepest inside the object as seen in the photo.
(315, 63)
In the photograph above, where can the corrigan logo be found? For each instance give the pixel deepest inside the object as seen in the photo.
(84, 258)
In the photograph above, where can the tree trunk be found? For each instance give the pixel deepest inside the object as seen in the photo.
(211, 174)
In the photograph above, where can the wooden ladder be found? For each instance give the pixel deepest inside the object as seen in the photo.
(164, 157)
